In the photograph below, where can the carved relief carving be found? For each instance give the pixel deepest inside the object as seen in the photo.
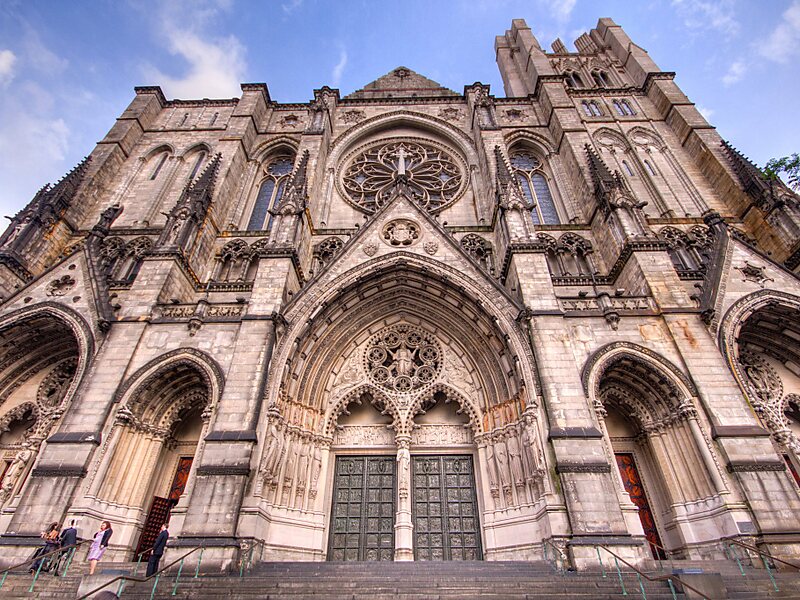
(400, 232)
(60, 286)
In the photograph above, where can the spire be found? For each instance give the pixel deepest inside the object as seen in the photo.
(293, 200)
(204, 184)
(598, 169)
(62, 193)
(765, 192)
(509, 193)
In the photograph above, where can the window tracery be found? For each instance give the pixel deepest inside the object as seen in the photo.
(431, 173)
(573, 79)
(623, 108)
(601, 78)
(122, 261)
(480, 249)
(569, 257)
(591, 108)
(689, 252)
(531, 177)
(270, 192)
(326, 250)
(403, 358)
(234, 262)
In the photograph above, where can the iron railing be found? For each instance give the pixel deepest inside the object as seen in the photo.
(41, 559)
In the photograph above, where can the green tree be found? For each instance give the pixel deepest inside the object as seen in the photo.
(790, 165)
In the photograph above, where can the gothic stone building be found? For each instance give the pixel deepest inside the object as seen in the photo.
(410, 324)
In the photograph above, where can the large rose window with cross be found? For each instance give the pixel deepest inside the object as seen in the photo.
(431, 175)
(403, 359)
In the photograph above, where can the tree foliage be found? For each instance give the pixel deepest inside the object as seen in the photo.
(790, 165)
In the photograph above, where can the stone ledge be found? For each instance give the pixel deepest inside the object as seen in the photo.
(75, 437)
(246, 435)
(720, 431)
(587, 467)
(206, 470)
(565, 433)
(748, 466)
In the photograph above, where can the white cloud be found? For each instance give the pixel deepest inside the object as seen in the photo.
(215, 68)
(705, 111)
(708, 14)
(735, 73)
(784, 41)
(7, 60)
(215, 64)
(336, 74)
(561, 9)
(39, 56)
(291, 6)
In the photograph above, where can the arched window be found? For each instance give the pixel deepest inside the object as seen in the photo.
(573, 79)
(591, 108)
(270, 193)
(627, 167)
(159, 165)
(197, 164)
(528, 170)
(626, 109)
(650, 168)
(688, 253)
(601, 78)
(214, 118)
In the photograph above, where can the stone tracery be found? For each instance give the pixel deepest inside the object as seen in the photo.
(433, 177)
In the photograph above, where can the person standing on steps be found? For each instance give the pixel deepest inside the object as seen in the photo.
(158, 550)
(69, 537)
(99, 545)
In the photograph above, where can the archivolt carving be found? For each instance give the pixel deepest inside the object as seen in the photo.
(596, 363)
(53, 387)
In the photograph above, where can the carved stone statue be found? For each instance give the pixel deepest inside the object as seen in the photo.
(515, 458)
(14, 472)
(404, 361)
(272, 455)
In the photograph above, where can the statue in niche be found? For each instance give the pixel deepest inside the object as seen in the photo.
(404, 361)
(316, 468)
(492, 468)
(515, 457)
(501, 455)
(273, 454)
(404, 472)
(14, 472)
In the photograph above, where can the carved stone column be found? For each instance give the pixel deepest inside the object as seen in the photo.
(403, 525)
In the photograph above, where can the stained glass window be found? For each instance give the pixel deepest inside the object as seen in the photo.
(270, 193)
(534, 185)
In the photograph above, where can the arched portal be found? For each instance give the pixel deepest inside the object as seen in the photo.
(403, 385)
(647, 409)
(164, 412)
(40, 357)
(761, 335)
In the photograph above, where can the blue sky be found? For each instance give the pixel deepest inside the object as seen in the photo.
(67, 69)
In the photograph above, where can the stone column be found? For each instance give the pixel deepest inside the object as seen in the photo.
(403, 526)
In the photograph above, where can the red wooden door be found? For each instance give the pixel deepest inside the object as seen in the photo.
(161, 507)
(633, 485)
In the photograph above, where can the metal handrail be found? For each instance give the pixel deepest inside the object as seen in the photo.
(41, 557)
(761, 552)
(249, 560)
(668, 578)
(564, 556)
(157, 575)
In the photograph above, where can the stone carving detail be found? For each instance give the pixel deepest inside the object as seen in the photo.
(514, 114)
(431, 247)
(14, 472)
(290, 121)
(403, 359)
(766, 393)
(370, 249)
(353, 116)
(53, 387)
(754, 273)
(431, 175)
(225, 310)
(363, 435)
(451, 114)
(400, 232)
(60, 286)
(441, 435)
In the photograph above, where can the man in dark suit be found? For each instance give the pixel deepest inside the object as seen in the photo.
(69, 537)
(158, 550)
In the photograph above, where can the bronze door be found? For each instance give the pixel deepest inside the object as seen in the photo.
(362, 517)
(445, 509)
(634, 487)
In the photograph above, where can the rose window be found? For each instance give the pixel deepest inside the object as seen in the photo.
(403, 359)
(432, 176)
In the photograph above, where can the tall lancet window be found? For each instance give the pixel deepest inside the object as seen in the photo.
(531, 177)
(270, 193)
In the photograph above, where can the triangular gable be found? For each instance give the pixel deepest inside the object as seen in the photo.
(401, 82)
(434, 243)
(747, 271)
(68, 282)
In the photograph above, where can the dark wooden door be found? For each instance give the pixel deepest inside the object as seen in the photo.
(635, 489)
(161, 507)
(362, 516)
(445, 509)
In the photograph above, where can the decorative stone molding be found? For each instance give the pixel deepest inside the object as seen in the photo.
(567, 467)
(400, 233)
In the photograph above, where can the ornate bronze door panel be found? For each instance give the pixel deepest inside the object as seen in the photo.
(362, 517)
(634, 487)
(445, 509)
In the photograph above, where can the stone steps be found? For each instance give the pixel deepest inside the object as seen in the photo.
(406, 581)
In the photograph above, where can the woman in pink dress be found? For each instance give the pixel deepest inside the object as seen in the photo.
(99, 545)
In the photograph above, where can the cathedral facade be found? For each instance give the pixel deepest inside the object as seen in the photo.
(410, 324)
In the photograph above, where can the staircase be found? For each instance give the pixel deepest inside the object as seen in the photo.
(409, 581)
